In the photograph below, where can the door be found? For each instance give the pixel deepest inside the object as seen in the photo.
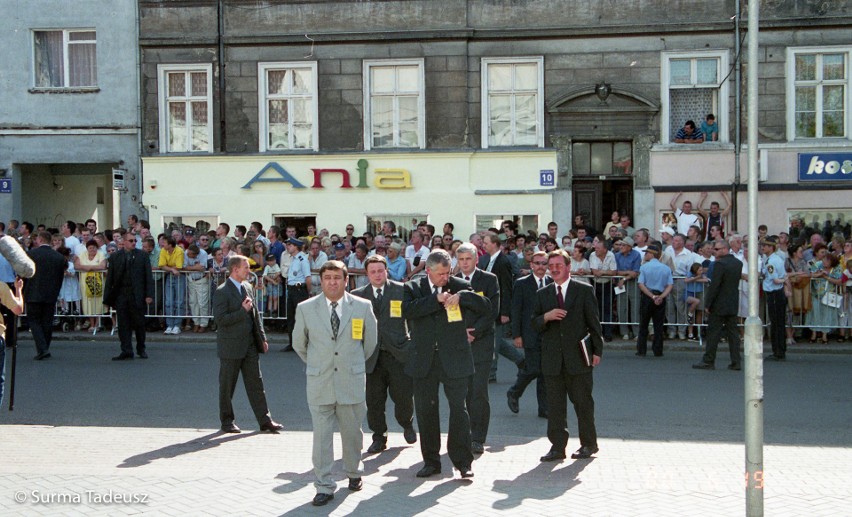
(586, 200)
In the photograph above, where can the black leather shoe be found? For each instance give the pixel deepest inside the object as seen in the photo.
(466, 472)
(522, 364)
(428, 471)
(142, 355)
(272, 426)
(641, 354)
(584, 453)
(322, 499)
(542, 414)
(42, 356)
(289, 348)
(376, 447)
(230, 428)
(476, 448)
(410, 435)
(553, 456)
(775, 357)
(513, 402)
(703, 366)
(355, 484)
(123, 357)
(735, 366)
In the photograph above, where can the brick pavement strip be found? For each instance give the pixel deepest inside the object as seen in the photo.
(75, 470)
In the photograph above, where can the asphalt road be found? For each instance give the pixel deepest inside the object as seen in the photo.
(807, 399)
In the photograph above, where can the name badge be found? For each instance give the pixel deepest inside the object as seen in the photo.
(480, 293)
(396, 308)
(454, 313)
(357, 328)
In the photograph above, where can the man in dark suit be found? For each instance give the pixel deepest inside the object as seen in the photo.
(129, 288)
(494, 261)
(721, 301)
(434, 307)
(565, 313)
(41, 292)
(484, 284)
(239, 339)
(525, 336)
(386, 367)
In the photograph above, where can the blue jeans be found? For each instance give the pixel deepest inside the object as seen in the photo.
(175, 299)
(503, 345)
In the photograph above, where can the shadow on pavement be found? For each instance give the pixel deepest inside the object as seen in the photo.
(549, 481)
(179, 449)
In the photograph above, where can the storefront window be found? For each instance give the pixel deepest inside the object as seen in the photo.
(525, 223)
(828, 222)
(404, 223)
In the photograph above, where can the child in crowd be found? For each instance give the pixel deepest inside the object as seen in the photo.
(710, 129)
(272, 281)
(695, 281)
(69, 294)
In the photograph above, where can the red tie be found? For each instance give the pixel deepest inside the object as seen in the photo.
(559, 297)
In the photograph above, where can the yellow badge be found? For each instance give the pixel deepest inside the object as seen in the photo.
(357, 328)
(480, 293)
(454, 313)
(396, 308)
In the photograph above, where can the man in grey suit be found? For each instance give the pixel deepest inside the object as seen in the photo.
(334, 335)
(386, 367)
(239, 339)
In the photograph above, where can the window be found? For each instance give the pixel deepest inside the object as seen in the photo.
(404, 224)
(693, 86)
(512, 102)
(394, 104)
(524, 223)
(65, 58)
(818, 93)
(186, 108)
(288, 106)
(602, 158)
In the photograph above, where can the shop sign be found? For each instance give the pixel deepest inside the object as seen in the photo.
(825, 166)
(385, 178)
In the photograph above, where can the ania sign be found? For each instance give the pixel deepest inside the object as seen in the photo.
(386, 178)
(825, 166)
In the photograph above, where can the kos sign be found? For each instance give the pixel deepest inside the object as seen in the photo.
(825, 167)
(387, 178)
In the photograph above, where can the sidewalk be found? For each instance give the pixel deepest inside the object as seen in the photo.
(142, 471)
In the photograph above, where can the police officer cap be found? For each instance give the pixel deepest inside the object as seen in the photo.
(294, 241)
(653, 248)
(770, 241)
(340, 246)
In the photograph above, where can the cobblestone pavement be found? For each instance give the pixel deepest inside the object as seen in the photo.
(142, 471)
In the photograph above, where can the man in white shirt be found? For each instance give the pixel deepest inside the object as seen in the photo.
(603, 266)
(685, 217)
(71, 242)
(415, 254)
(682, 259)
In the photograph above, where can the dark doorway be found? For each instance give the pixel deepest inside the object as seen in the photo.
(598, 199)
(300, 221)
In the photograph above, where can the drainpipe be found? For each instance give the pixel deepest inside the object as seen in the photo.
(737, 115)
(221, 58)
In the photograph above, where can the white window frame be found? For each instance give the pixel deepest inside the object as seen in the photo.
(722, 115)
(791, 92)
(421, 102)
(263, 105)
(66, 41)
(162, 97)
(485, 118)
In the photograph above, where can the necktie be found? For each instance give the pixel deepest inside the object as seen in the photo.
(378, 296)
(540, 283)
(467, 278)
(559, 297)
(335, 320)
(243, 291)
(490, 265)
(377, 302)
(437, 290)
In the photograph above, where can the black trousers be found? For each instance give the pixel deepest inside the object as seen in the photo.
(389, 377)
(776, 303)
(578, 388)
(531, 372)
(603, 295)
(295, 296)
(649, 311)
(715, 327)
(229, 371)
(478, 405)
(40, 319)
(428, 417)
(131, 320)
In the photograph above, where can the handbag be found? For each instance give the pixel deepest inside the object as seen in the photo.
(94, 284)
(832, 300)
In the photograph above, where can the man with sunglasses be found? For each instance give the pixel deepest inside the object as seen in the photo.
(129, 289)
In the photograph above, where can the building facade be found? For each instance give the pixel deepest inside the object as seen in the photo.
(69, 112)
(471, 111)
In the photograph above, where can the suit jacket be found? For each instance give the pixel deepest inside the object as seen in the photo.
(234, 333)
(141, 278)
(523, 302)
(336, 368)
(393, 331)
(44, 286)
(484, 284)
(560, 339)
(427, 320)
(722, 296)
(502, 268)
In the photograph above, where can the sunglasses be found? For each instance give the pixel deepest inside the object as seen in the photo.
(540, 263)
